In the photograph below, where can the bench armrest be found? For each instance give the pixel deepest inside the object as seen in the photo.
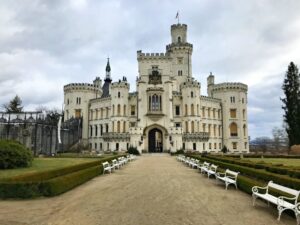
(256, 189)
(220, 174)
(297, 208)
(281, 199)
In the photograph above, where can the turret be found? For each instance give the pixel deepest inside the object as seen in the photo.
(210, 84)
(179, 33)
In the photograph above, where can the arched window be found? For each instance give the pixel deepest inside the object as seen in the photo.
(155, 102)
(244, 129)
(192, 94)
(186, 126)
(118, 126)
(192, 110)
(233, 130)
(193, 127)
(106, 128)
(119, 94)
(91, 131)
(179, 39)
(198, 110)
(113, 110)
(119, 110)
(124, 126)
(113, 126)
(96, 130)
(101, 130)
(124, 109)
(186, 110)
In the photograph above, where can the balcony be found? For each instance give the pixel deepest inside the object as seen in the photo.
(199, 136)
(113, 136)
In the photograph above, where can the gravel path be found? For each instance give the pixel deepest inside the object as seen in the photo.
(155, 189)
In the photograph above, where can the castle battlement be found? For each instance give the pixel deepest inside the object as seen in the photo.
(178, 25)
(81, 86)
(230, 86)
(189, 84)
(120, 84)
(141, 55)
(179, 46)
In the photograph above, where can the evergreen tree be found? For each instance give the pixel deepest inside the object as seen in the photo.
(14, 106)
(291, 104)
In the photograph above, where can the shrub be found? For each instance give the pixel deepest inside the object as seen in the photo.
(179, 152)
(133, 150)
(224, 149)
(14, 155)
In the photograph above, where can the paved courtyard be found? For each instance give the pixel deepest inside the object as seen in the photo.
(155, 189)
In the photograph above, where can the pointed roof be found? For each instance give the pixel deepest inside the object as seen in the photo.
(107, 66)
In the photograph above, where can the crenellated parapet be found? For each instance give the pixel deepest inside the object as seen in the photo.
(120, 84)
(81, 87)
(230, 87)
(179, 46)
(190, 84)
(152, 56)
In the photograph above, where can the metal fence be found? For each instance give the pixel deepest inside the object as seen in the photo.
(38, 133)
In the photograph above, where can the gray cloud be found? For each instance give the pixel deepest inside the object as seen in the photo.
(46, 44)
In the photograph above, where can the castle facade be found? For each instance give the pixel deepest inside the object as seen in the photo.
(167, 112)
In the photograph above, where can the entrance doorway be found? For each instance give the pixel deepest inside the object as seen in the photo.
(155, 140)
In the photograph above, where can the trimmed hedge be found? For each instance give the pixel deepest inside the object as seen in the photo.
(59, 181)
(258, 174)
(46, 175)
(279, 169)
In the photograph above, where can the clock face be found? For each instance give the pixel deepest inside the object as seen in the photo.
(155, 77)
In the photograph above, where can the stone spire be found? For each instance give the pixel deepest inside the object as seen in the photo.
(108, 77)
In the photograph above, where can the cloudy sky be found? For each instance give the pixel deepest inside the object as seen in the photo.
(45, 44)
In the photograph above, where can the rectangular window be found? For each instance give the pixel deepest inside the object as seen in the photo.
(177, 124)
(132, 124)
(183, 146)
(214, 113)
(132, 109)
(244, 114)
(215, 145)
(179, 72)
(177, 110)
(194, 146)
(208, 112)
(209, 145)
(219, 145)
(95, 145)
(233, 113)
(203, 112)
(232, 99)
(203, 146)
(246, 145)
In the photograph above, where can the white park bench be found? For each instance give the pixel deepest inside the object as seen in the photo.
(116, 164)
(283, 202)
(193, 163)
(106, 167)
(212, 170)
(203, 167)
(229, 177)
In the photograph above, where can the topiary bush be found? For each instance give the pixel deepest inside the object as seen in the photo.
(14, 155)
(133, 150)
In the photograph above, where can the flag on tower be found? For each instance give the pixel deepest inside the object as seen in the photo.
(177, 15)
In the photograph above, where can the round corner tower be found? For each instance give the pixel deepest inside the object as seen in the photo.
(234, 113)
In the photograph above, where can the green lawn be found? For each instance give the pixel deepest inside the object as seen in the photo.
(44, 164)
(284, 161)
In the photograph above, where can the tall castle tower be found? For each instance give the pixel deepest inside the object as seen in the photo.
(181, 52)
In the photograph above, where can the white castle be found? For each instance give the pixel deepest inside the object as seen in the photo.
(167, 111)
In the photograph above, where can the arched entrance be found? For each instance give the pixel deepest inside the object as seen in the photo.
(155, 140)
